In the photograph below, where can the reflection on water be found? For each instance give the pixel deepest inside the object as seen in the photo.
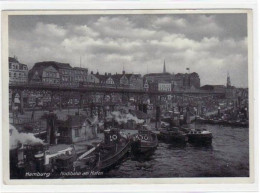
(227, 156)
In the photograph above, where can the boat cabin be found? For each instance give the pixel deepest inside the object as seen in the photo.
(75, 129)
(57, 155)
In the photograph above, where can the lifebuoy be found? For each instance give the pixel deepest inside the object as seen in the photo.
(114, 137)
(145, 137)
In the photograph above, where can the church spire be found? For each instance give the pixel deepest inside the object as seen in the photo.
(228, 81)
(164, 68)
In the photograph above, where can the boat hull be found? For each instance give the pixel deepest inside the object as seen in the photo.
(140, 148)
(200, 138)
(173, 138)
(113, 160)
(223, 122)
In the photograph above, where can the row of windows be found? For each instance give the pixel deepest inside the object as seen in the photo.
(71, 72)
(17, 74)
(17, 66)
(80, 77)
(51, 80)
(80, 72)
(165, 89)
(52, 74)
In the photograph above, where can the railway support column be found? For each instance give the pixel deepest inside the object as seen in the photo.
(52, 96)
(21, 102)
(81, 101)
(60, 101)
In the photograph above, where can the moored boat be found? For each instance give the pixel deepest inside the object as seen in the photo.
(87, 161)
(145, 141)
(172, 135)
(112, 150)
(199, 136)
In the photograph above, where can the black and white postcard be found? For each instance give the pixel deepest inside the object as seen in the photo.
(140, 95)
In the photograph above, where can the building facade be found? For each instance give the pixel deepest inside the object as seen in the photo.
(80, 74)
(110, 81)
(67, 74)
(187, 81)
(50, 76)
(18, 73)
(165, 87)
(136, 81)
(124, 81)
(92, 78)
(146, 85)
(51, 72)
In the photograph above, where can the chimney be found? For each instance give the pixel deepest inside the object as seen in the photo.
(123, 72)
(105, 74)
(91, 72)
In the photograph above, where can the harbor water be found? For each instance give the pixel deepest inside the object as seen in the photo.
(227, 156)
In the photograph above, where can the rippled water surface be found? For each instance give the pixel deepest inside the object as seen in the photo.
(228, 156)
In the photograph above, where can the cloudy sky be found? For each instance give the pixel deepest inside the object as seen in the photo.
(211, 45)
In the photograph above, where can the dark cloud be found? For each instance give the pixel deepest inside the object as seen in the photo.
(211, 45)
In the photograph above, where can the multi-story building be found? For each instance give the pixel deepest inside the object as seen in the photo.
(187, 81)
(93, 78)
(102, 78)
(145, 85)
(18, 73)
(124, 79)
(159, 81)
(50, 73)
(44, 74)
(159, 77)
(66, 73)
(153, 86)
(195, 80)
(136, 81)
(109, 80)
(80, 74)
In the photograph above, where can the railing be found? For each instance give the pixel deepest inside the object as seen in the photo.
(102, 86)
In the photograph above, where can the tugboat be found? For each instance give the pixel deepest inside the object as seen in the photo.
(173, 135)
(198, 136)
(144, 142)
(112, 150)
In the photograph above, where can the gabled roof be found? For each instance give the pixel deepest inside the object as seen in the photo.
(128, 76)
(116, 78)
(101, 77)
(31, 73)
(39, 68)
(57, 65)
